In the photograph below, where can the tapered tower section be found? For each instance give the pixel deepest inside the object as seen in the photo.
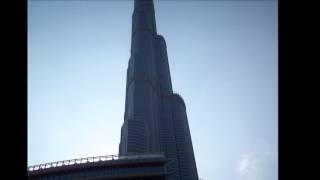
(155, 118)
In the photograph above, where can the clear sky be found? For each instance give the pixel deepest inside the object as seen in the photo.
(223, 58)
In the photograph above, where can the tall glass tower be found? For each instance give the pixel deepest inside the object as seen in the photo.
(155, 118)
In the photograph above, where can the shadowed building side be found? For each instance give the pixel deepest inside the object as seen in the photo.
(187, 164)
(139, 128)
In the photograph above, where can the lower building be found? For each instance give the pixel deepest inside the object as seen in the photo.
(142, 167)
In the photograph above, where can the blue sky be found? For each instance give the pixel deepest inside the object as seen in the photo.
(223, 58)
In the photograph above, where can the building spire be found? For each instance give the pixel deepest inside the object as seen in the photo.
(138, 3)
(144, 16)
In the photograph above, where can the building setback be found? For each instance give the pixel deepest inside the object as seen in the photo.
(155, 139)
(155, 118)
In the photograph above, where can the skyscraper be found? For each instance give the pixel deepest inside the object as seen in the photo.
(155, 118)
(155, 137)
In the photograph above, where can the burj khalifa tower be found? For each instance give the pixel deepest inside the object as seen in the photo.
(155, 118)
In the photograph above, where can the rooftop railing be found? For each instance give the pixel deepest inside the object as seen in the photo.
(73, 162)
(92, 160)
